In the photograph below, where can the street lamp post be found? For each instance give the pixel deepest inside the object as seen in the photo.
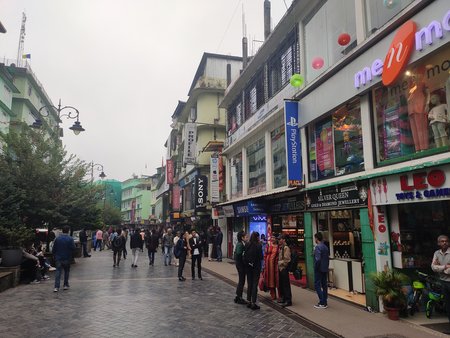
(73, 113)
(99, 167)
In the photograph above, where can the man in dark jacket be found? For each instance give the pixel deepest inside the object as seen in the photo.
(83, 241)
(321, 263)
(63, 249)
(219, 239)
(151, 241)
(196, 249)
(136, 245)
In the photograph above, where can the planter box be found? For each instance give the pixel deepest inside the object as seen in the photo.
(15, 270)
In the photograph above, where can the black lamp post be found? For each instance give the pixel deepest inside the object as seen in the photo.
(99, 167)
(73, 113)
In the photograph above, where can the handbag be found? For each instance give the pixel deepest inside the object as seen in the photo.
(262, 283)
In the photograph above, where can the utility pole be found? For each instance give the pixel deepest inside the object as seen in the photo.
(21, 40)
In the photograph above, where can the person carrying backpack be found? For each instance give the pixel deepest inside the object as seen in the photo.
(284, 258)
(240, 266)
(252, 258)
(118, 245)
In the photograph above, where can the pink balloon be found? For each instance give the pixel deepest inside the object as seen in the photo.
(344, 39)
(317, 62)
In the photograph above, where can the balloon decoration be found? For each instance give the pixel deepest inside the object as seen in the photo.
(297, 80)
(317, 62)
(390, 3)
(344, 39)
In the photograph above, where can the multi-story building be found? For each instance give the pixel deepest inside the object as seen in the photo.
(369, 166)
(6, 97)
(196, 141)
(136, 197)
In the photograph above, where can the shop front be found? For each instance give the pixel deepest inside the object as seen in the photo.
(285, 217)
(409, 215)
(340, 214)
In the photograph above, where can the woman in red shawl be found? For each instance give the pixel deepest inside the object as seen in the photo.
(271, 267)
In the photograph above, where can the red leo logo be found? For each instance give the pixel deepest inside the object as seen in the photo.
(399, 52)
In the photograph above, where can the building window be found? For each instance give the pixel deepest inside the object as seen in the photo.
(283, 64)
(256, 167)
(254, 95)
(279, 157)
(236, 175)
(234, 117)
(322, 31)
(377, 14)
(410, 116)
(336, 143)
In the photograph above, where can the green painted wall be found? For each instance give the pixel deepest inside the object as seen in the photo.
(368, 250)
(309, 249)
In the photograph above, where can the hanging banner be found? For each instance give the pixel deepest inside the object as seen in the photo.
(190, 144)
(169, 171)
(176, 198)
(201, 192)
(214, 175)
(293, 146)
(221, 173)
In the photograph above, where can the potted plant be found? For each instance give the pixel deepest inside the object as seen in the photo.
(389, 286)
(12, 242)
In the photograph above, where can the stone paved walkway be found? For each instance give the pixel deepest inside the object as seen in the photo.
(144, 302)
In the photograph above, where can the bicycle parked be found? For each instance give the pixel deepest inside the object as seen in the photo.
(427, 289)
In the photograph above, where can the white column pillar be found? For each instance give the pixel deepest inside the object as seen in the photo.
(244, 172)
(269, 160)
(366, 123)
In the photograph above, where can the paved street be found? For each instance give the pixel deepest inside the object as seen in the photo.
(144, 302)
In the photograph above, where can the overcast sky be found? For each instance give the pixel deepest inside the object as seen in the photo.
(124, 64)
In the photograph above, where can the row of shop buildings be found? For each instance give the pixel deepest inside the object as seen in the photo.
(357, 149)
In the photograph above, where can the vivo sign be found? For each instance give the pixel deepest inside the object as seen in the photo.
(405, 40)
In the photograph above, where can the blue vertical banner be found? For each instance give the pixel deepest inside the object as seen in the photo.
(293, 146)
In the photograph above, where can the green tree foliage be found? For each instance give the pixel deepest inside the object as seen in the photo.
(111, 215)
(42, 186)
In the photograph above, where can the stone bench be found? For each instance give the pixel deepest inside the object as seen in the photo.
(15, 272)
(6, 280)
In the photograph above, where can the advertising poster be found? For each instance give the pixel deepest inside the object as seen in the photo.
(324, 149)
(214, 175)
(190, 148)
(293, 146)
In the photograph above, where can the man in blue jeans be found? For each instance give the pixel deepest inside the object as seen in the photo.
(321, 263)
(63, 249)
(219, 239)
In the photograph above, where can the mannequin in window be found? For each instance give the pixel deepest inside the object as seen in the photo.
(438, 119)
(418, 98)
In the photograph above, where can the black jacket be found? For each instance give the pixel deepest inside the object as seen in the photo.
(195, 246)
(83, 236)
(151, 241)
(136, 241)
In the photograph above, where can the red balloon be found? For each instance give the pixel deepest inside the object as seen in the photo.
(344, 39)
(382, 228)
(317, 62)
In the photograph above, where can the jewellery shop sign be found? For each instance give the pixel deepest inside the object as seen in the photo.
(425, 185)
(343, 196)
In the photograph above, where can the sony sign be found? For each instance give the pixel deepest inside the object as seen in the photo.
(405, 41)
(201, 191)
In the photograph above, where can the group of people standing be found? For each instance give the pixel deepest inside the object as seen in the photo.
(272, 264)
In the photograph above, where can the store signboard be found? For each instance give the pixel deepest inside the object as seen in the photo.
(176, 203)
(248, 208)
(293, 146)
(169, 171)
(228, 210)
(214, 175)
(288, 205)
(187, 179)
(201, 191)
(416, 186)
(190, 143)
(342, 196)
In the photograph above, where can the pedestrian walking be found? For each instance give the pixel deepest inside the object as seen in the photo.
(136, 246)
(105, 240)
(441, 265)
(210, 239)
(118, 245)
(62, 250)
(175, 240)
(151, 243)
(196, 249)
(321, 264)
(219, 239)
(252, 258)
(99, 239)
(167, 242)
(284, 258)
(181, 251)
(240, 266)
(83, 241)
(125, 237)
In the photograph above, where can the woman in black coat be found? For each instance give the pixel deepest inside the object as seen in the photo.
(252, 258)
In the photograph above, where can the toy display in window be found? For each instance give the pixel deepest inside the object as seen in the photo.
(438, 119)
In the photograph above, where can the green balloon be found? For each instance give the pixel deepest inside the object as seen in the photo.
(297, 80)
